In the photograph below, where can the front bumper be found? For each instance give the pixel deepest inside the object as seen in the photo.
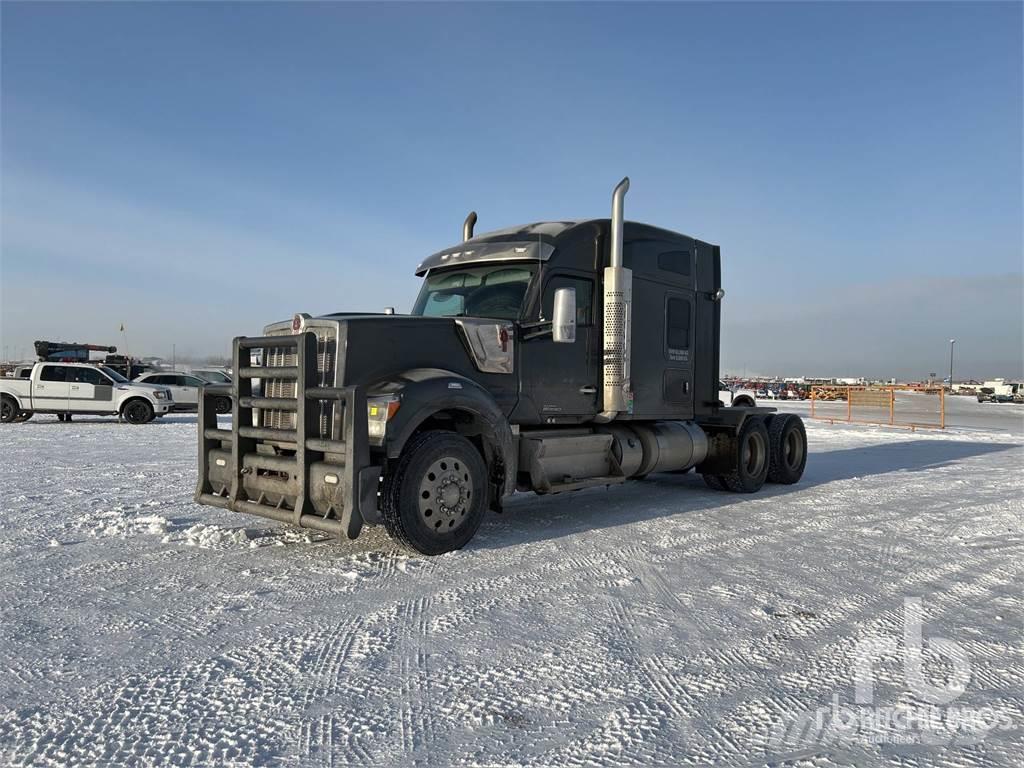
(162, 407)
(298, 476)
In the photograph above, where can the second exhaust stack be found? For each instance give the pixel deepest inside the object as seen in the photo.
(617, 393)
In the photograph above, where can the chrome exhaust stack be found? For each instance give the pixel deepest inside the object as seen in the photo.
(617, 392)
(467, 226)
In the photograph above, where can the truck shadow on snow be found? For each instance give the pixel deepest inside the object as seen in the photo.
(530, 518)
(50, 420)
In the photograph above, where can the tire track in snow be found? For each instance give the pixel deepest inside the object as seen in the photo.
(316, 732)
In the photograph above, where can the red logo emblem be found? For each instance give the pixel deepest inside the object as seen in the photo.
(297, 323)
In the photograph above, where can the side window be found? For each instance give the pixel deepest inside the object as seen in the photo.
(584, 297)
(165, 380)
(192, 381)
(651, 256)
(87, 376)
(53, 373)
(677, 328)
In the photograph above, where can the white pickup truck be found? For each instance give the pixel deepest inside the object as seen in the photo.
(741, 398)
(79, 388)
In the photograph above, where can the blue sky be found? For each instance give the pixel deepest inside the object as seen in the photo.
(860, 164)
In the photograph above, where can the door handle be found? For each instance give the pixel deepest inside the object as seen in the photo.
(588, 390)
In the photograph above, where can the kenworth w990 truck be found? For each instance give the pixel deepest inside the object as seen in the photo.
(548, 357)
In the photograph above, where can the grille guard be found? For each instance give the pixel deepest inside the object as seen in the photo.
(327, 484)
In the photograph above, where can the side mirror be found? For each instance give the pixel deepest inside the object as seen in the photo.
(563, 321)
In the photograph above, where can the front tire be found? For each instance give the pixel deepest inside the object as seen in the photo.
(138, 412)
(435, 497)
(751, 458)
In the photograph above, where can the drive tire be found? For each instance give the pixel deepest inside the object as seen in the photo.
(433, 466)
(787, 439)
(138, 411)
(8, 410)
(751, 458)
(222, 405)
(714, 482)
(742, 402)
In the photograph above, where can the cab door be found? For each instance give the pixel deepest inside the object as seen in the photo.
(186, 390)
(90, 391)
(50, 389)
(678, 350)
(563, 380)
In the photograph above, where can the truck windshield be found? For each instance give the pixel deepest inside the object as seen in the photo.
(494, 291)
(114, 375)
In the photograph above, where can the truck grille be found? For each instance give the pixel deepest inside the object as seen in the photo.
(286, 357)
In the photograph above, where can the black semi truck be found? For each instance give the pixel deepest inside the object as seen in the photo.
(548, 357)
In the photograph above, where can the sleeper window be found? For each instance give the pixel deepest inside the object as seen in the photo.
(678, 324)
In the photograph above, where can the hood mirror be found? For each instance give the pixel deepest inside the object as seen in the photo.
(563, 320)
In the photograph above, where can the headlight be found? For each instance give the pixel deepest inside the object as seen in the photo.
(379, 411)
(160, 394)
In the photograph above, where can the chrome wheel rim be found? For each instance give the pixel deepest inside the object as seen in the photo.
(445, 495)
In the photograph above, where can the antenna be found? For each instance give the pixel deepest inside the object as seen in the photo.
(540, 276)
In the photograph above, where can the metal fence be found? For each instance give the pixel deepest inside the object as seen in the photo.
(894, 406)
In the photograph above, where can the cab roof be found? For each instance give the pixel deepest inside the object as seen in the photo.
(536, 241)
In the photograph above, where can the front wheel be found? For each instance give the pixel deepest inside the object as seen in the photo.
(434, 498)
(138, 412)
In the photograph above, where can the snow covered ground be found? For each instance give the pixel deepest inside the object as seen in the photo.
(656, 623)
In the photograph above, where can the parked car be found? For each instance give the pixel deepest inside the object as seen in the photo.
(79, 388)
(213, 375)
(185, 388)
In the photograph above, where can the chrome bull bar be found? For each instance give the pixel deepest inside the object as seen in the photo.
(297, 476)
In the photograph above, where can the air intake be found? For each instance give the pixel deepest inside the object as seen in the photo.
(467, 226)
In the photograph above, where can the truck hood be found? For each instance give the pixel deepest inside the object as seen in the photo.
(366, 348)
